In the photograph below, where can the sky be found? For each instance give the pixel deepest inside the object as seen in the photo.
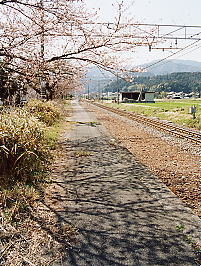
(182, 12)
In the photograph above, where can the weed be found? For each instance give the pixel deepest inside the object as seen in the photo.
(94, 124)
(23, 147)
(17, 201)
(195, 123)
(67, 230)
(82, 153)
(47, 112)
(180, 227)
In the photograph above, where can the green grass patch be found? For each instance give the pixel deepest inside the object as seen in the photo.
(176, 111)
(52, 134)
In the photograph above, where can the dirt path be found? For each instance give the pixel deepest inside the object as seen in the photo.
(124, 215)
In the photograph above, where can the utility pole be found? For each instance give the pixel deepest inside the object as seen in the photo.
(140, 95)
(99, 94)
(117, 88)
(88, 91)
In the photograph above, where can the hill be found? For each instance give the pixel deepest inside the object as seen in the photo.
(171, 66)
(181, 81)
(97, 79)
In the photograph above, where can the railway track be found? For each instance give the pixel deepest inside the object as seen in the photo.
(178, 131)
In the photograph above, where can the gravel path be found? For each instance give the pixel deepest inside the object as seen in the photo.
(123, 213)
(176, 162)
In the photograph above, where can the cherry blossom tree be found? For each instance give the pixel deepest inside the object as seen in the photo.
(47, 42)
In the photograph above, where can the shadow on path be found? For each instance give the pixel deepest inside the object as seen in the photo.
(124, 215)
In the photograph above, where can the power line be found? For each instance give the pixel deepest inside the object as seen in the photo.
(159, 31)
(180, 55)
(192, 50)
(142, 24)
(171, 55)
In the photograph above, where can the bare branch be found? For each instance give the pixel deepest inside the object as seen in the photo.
(50, 41)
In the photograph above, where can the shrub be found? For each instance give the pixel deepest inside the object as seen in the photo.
(23, 149)
(47, 112)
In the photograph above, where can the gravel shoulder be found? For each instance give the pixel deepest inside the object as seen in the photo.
(175, 162)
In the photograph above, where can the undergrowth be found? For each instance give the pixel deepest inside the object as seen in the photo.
(27, 137)
(25, 152)
(195, 123)
(17, 202)
(47, 112)
(23, 148)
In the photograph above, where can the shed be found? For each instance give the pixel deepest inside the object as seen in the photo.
(134, 96)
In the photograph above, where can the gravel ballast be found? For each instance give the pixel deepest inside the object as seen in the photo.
(176, 162)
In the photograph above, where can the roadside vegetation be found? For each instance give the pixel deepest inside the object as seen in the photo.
(28, 136)
(176, 111)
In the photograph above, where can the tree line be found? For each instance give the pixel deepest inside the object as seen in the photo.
(177, 82)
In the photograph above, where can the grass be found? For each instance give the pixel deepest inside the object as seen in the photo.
(22, 238)
(191, 241)
(23, 147)
(26, 144)
(176, 111)
(17, 201)
(82, 153)
(52, 134)
(47, 112)
(180, 227)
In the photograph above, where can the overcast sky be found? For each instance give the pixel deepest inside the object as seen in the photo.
(182, 12)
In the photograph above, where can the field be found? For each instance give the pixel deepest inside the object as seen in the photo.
(176, 111)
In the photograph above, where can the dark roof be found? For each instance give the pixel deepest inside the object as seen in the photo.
(137, 92)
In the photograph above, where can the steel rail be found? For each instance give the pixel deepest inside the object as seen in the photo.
(178, 131)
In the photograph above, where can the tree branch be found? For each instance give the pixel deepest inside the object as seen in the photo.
(66, 56)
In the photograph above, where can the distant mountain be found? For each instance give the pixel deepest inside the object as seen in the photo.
(96, 79)
(172, 66)
(95, 72)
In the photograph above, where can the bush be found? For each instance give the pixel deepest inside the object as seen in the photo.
(23, 149)
(47, 112)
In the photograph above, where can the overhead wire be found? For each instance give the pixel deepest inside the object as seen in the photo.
(163, 59)
(192, 50)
